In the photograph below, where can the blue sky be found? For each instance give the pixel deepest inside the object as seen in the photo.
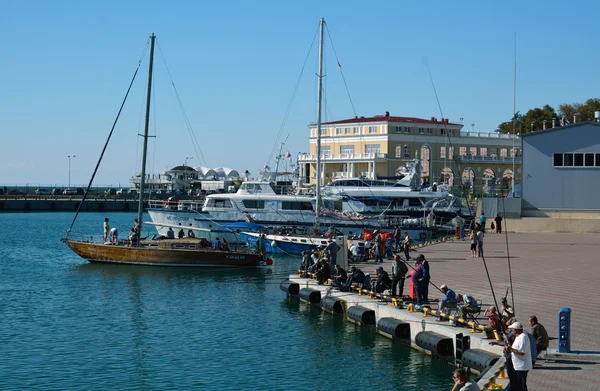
(65, 67)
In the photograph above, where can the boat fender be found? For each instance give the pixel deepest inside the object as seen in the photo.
(269, 261)
(422, 235)
(274, 244)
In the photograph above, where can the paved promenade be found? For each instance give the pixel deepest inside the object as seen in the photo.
(549, 271)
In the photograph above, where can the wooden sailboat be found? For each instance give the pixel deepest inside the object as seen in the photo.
(163, 252)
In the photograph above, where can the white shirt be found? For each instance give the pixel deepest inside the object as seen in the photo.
(522, 344)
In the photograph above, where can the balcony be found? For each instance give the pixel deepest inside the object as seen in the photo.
(487, 159)
(309, 158)
(489, 135)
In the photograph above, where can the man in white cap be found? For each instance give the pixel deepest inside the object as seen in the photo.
(520, 352)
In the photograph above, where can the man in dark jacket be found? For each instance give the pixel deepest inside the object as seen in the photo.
(356, 275)
(339, 276)
(399, 270)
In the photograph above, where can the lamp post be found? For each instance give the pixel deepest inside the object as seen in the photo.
(185, 170)
(70, 157)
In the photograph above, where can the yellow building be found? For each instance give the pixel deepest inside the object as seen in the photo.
(380, 146)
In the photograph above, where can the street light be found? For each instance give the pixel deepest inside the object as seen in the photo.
(185, 170)
(70, 157)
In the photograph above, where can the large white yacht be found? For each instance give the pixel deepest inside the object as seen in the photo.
(256, 202)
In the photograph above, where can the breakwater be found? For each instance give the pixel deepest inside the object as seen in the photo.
(67, 205)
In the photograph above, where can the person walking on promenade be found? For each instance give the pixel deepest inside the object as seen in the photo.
(539, 333)
(520, 352)
(498, 221)
(473, 239)
(106, 229)
(482, 220)
(399, 270)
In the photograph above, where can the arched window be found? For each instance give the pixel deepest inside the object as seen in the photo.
(468, 177)
(507, 178)
(447, 177)
(406, 151)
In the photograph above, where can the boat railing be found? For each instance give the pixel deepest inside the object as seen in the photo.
(176, 205)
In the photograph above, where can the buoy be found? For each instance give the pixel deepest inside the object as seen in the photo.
(274, 244)
(269, 261)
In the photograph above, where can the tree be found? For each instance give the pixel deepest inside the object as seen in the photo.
(584, 112)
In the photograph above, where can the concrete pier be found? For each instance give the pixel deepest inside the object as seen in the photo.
(549, 271)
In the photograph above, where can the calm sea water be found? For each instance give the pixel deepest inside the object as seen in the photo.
(66, 324)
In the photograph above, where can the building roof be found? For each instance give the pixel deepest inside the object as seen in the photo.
(183, 168)
(388, 118)
(544, 131)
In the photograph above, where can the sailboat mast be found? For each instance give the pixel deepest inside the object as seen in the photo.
(146, 124)
(319, 104)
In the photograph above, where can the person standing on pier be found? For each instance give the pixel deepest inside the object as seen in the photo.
(479, 235)
(399, 270)
(498, 220)
(397, 237)
(426, 277)
(378, 247)
(520, 352)
(106, 229)
(406, 245)
(181, 234)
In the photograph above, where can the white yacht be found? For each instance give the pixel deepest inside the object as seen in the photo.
(256, 202)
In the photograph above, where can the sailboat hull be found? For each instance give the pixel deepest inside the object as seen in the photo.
(180, 253)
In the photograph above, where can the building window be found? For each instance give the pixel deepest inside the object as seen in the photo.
(483, 151)
(503, 152)
(473, 151)
(462, 151)
(325, 150)
(398, 129)
(323, 132)
(568, 160)
(442, 152)
(451, 153)
(338, 131)
(346, 130)
(372, 129)
(355, 130)
(589, 160)
(347, 149)
(406, 130)
(421, 130)
(407, 151)
(372, 148)
(429, 130)
(578, 159)
(442, 131)
(399, 151)
(558, 160)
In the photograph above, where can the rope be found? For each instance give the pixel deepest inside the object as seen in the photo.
(341, 72)
(293, 97)
(188, 124)
(109, 137)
